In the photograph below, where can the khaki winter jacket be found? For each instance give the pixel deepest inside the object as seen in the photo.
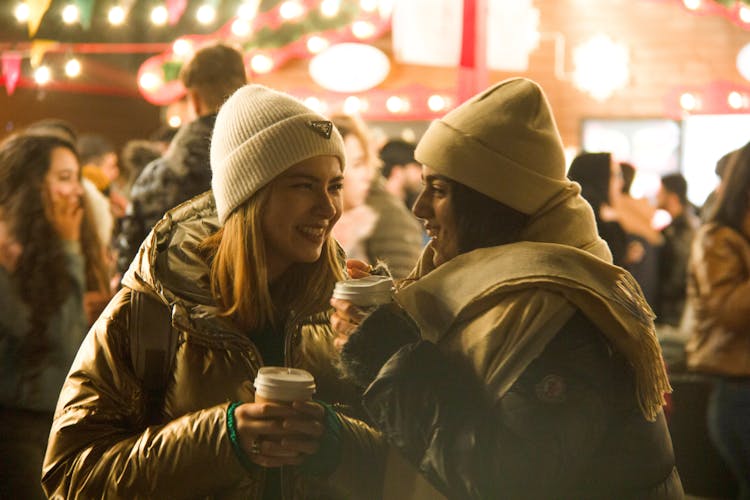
(101, 446)
(719, 293)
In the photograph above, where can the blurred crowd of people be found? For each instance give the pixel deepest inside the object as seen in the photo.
(75, 211)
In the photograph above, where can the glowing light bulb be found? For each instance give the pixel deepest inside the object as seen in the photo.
(688, 101)
(182, 47)
(352, 105)
(692, 4)
(159, 15)
(149, 81)
(22, 12)
(314, 103)
(240, 28)
(174, 121)
(745, 14)
(735, 100)
(73, 67)
(316, 44)
(70, 14)
(329, 8)
(363, 29)
(42, 75)
(291, 10)
(261, 63)
(436, 103)
(206, 14)
(396, 104)
(116, 15)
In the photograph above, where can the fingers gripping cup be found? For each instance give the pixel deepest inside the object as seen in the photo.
(278, 384)
(367, 292)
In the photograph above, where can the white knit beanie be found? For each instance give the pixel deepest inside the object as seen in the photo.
(259, 133)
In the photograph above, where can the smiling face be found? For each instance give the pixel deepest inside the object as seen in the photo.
(435, 206)
(303, 205)
(63, 177)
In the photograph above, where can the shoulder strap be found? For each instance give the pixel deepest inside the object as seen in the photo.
(153, 343)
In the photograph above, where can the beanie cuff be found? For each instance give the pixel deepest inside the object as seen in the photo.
(466, 160)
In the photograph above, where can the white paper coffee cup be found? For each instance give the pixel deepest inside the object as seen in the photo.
(279, 384)
(365, 292)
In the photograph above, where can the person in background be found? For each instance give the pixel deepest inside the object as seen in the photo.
(375, 226)
(719, 294)
(100, 166)
(136, 154)
(516, 361)
(97, 223)
(42, 285)
(162, 137)
(246, 271)
(675, 253)
(706, 210)
(402, 173)
(635, 215)
(601, 183)
(212, 75)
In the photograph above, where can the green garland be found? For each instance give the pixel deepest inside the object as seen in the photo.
(288, 32)
(291, 31)
(730, 3)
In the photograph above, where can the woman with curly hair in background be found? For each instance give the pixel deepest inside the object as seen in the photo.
(44, 247)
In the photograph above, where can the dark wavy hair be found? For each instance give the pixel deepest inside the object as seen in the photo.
(482, 221)
(734, 200)
(41, 277)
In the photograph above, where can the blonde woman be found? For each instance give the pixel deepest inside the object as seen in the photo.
(246, 271)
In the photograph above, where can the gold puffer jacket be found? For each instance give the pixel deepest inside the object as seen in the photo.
(719, 294)
(101, 446)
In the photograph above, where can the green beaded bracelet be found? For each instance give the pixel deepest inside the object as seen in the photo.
(235, 440)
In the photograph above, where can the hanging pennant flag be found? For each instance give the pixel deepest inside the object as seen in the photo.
(85, 8)
(175, 9)
(37, 8)
(38, 49)
(11, 62)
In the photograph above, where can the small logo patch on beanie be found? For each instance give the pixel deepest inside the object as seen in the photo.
(322, 127)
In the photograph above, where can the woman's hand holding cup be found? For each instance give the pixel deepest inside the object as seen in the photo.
(275, 434)
(355, 298)
(283, 426)
(344, 320)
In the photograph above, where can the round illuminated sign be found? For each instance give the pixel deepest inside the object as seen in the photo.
(349, 67)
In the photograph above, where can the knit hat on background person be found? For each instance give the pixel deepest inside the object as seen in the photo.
(503, 143)
(259, 133)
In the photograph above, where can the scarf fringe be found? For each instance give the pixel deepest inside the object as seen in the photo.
(642, 349)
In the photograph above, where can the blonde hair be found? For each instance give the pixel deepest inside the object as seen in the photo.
(239, 272)
(353, 125)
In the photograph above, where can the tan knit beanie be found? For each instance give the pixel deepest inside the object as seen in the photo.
(503, 143)
(259, 133)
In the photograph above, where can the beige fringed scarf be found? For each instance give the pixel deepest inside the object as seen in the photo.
(509, 301)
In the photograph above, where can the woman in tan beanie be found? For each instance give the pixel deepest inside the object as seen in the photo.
(515, 361)
(242, 274)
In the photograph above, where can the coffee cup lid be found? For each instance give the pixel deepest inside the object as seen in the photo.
(286, 384)
(366, 285)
